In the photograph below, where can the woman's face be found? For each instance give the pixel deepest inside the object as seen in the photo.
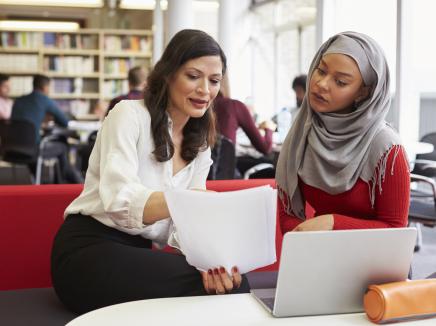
(336, 84)
(194, 86)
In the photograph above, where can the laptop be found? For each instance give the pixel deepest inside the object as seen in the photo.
(328, 272)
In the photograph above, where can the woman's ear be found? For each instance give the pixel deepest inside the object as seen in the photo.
(364, 93)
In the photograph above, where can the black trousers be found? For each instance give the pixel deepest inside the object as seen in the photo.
(94, 266)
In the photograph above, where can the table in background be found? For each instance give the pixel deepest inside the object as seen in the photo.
(231, 309)
(84, 128)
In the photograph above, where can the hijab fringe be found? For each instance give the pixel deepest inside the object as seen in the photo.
(379, 174)
(285, 199)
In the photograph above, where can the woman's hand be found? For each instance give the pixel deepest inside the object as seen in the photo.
(319, 223)
(268, 124)
(218, 281)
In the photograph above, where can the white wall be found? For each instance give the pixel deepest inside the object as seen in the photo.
(376, 18)
(424, 45)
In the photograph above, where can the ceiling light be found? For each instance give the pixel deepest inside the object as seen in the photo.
(56, 3)
(150, 4)
(38, 25)
(141, 4)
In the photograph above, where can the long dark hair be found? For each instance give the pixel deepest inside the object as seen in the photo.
(198, 133)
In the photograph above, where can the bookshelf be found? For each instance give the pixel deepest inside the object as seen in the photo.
(85, 66)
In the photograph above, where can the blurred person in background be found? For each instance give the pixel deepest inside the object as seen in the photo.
(137, 78)
(286, 115)
(232, 114)
(299, 87)
(34, 108)
(5, 101)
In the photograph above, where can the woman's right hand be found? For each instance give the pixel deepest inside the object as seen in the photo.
(268, 124)
(218, 281)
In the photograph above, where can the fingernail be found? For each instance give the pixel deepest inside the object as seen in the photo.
(222, 270)
(215, 271)
(209, 271)
(235, 269)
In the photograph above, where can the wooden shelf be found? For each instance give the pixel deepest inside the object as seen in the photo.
(57, 50)
(21, 73)
(80, 52)
(73, 96)
(127, 54)
(115, 76)
(68, 75)
(18, 50)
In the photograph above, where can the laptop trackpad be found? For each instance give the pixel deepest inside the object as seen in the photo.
(266, 297)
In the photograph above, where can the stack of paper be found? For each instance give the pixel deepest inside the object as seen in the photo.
(226, 229)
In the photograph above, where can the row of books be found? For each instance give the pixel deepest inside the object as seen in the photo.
(121, 66)
(127, 42)
(22, 40)
(71, 64)
(21, 85)
(62, 85)
(18, 62)
(75, 107)
(113, 88)
(70, 41)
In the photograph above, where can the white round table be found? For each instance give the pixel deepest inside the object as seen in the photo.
(234, 309)
(413, 148)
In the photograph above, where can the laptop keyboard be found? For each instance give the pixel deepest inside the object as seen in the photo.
(269, 302)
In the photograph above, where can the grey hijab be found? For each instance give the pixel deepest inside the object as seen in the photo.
(330, 151)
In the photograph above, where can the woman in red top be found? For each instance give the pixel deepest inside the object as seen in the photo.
(340, 156)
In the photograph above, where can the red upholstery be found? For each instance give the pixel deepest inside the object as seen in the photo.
(30, 217)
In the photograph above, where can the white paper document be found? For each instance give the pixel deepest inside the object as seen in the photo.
(235, 228)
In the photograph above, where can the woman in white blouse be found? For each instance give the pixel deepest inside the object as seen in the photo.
(102, 253)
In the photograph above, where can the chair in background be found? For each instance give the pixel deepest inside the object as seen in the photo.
(261, 171)
(425, 164)
(84, 152)
(224, 160)
(19, 148)
(422, 210)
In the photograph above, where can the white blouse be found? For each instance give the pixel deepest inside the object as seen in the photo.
(123, 173)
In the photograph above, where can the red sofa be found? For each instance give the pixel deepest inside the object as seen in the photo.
(30, 217)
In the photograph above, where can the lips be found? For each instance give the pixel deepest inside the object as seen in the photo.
(198, 103)
(319, 98)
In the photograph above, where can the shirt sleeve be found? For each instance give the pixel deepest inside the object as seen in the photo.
(121, 191)
(201, 171)
(391, 203)
(262, 144)
(60, 118)
(287, 222)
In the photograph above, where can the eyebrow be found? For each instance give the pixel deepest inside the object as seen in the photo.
(198, 70)
(338, 72)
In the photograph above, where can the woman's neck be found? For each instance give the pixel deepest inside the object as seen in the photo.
(179, 120)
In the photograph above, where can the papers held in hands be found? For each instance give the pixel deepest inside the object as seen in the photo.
(235, 228)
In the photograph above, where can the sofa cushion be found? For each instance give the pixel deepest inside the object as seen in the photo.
(30, 217)
(36, 307)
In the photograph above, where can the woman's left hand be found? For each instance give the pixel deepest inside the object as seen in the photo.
(218, 281)
(319, 223)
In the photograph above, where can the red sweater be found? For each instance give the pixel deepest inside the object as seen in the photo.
(232, 114)
(352, 209)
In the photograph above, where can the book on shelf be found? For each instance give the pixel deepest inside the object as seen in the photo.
(80, 78)
(70, 64)
(74, 107)
(113, 88)
(49, 40)
(132, 43)
(20, 40)
(21, 85)
(70, 41)
(18, 62)
(62, 86)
